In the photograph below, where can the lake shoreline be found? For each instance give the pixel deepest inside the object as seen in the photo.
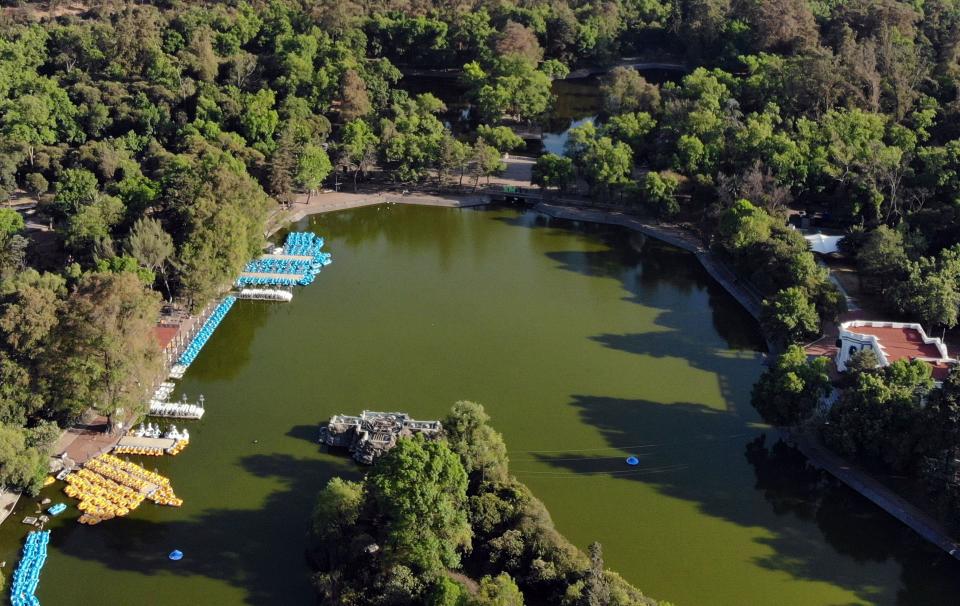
(853, 477)
(671, 234)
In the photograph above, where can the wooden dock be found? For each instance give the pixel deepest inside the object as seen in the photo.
(271, 257)
(270, 276)
(151, 443)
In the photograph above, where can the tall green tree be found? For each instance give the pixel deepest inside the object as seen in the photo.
(607, 165)
(410, 139)
(357, 148)
(551, 170)
(789, 391)
(743, 224)
(487, 162)
(500, 137)
(789, 316)
(876, 419)
(313, 167)
(882, 256)
(420, 489)
(512, 86)
(498, 590)
(75, 189)
(659, 193)
(21, 465)
(624, 90)
(104, 353)
(152, 246)
(480, 447)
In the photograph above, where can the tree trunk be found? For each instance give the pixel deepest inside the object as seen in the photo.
(166, 285)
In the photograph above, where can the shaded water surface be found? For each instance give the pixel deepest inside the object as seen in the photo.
(585, 344)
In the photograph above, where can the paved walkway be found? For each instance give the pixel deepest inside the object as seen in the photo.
(878, 493)
(82, 442)
(8, 501)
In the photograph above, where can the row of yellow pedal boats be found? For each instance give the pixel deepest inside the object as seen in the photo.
(151, 451)
(109, 487)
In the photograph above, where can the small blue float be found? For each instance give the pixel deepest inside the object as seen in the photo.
(176, 555)
(632, 460)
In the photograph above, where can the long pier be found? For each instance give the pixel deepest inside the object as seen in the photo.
(879, 494)
(273, 257)
(270, 276)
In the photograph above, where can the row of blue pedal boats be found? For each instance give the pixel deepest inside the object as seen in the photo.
(206, 331)
(302, 243)
(298, 243)
(283, 266)
(275, 281)
(27, 575)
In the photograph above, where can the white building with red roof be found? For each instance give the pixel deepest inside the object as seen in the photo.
(892, 341)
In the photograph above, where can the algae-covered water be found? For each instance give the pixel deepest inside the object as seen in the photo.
(585, 344)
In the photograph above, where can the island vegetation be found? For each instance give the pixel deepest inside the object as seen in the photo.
(444, 523)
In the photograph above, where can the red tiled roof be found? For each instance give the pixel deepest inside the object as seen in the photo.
(899, 343)
(165, 334)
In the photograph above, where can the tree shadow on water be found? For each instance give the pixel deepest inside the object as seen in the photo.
(260, 551)
(849, 523)
(310, 433)
(652, 273)
(622, 250)
(815, 528)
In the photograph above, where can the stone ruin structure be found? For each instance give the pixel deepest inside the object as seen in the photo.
(373, 434)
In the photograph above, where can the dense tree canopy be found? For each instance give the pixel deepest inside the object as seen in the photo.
(789, 391)
(424, 506)
(157, 137)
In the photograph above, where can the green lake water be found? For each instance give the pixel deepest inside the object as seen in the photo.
(585, 344)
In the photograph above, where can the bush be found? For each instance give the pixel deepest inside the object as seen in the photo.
(37, 184)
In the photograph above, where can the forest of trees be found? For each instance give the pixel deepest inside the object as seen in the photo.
(428, 509)
(157, 138)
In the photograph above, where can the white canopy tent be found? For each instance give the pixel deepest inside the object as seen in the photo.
(822, 244)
